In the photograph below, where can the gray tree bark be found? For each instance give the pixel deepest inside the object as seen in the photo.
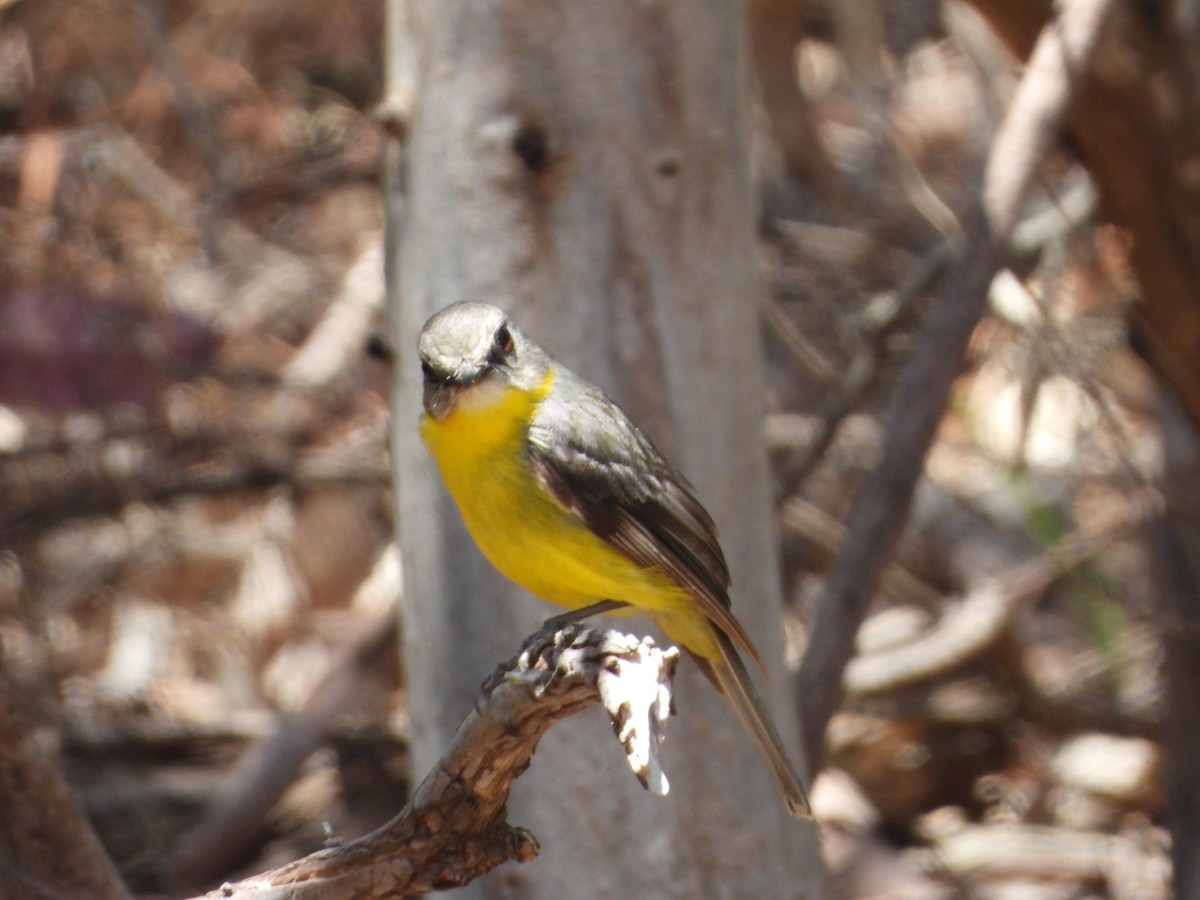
(585, 166)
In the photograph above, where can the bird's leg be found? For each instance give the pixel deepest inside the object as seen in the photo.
(548, 635)
(571, 616)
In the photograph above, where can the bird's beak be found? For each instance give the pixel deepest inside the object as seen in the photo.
(438, 398)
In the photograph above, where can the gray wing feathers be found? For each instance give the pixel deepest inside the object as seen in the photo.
(599, 466)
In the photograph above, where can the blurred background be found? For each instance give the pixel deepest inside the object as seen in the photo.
(198, 594)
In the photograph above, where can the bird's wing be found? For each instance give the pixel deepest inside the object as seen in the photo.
(599, 466)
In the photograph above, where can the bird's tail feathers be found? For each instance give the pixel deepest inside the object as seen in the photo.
(733, 680)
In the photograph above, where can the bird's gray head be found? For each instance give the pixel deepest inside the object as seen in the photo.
(469, 345)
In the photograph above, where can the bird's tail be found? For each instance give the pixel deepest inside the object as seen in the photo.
(732, 679)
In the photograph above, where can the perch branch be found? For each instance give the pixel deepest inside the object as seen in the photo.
(453, 829)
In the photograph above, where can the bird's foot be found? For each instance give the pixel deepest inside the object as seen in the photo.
(559, 631)
(572, 616)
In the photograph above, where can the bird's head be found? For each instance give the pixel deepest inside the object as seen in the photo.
(468, 350)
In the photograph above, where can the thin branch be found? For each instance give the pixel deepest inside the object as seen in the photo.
(887, 313)
(1029, 131)
(806, 353)
(810, 522)
(231, 828)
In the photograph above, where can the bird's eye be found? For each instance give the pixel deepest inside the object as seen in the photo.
(504, 342)
(427, 371)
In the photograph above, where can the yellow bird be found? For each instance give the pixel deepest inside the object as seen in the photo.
(569, 499)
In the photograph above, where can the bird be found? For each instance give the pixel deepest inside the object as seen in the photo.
(569, 499)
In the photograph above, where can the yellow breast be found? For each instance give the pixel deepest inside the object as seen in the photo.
(480, 449)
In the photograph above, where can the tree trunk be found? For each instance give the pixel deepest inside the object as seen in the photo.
(585, 166)
(1175, 539)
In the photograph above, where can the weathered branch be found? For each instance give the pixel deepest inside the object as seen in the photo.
(454, 828)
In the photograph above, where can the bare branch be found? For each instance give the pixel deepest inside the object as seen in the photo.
(1028, 132)
(453, 829)
(1035, 119)
(236, 819)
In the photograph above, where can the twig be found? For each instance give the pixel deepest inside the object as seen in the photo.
(453, 829)
(341, 334)
(812, 523)
(888, 312)
(804, 350)
(1029, 131)
(891, 309)
(235, 821)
